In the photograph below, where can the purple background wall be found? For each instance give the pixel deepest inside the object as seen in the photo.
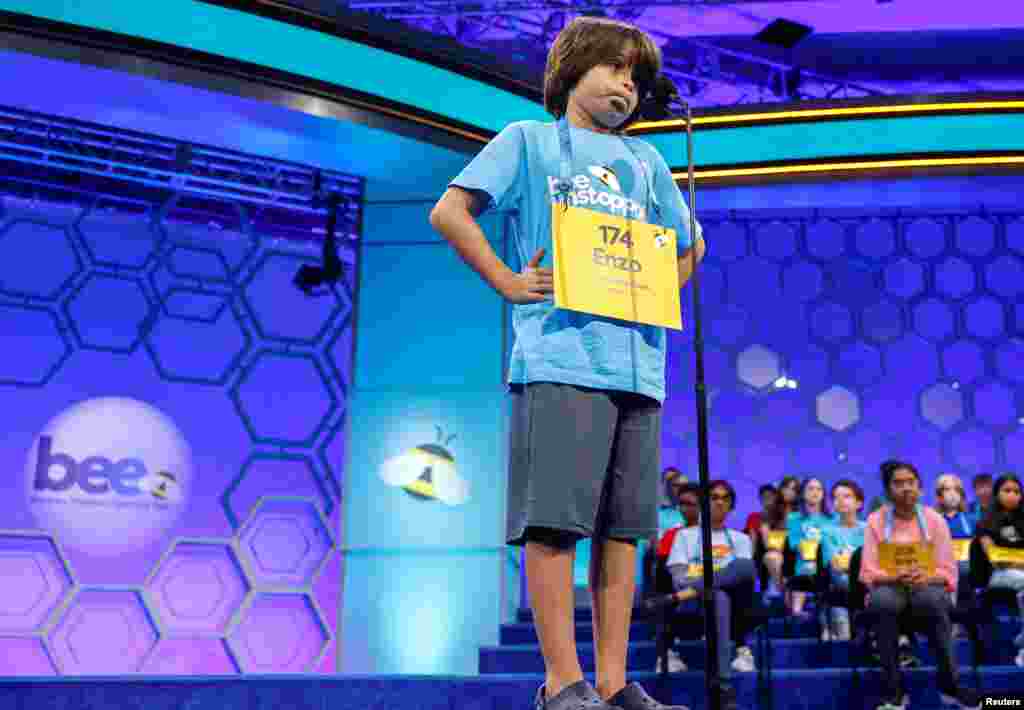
(183, 311)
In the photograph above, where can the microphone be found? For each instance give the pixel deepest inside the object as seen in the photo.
(663, 94)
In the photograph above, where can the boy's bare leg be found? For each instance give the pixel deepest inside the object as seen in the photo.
(550, 584)
(611, 589)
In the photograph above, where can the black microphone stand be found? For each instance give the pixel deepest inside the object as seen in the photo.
(712, 683)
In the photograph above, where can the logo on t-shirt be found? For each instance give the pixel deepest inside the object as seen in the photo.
(607, 177)
(601, 187)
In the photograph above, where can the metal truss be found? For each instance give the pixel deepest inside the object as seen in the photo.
(40, 142)
(466, 8)
(706, 74)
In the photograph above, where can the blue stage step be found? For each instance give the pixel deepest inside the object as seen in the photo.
(643, 628)
(790, 690)
(791, 654)
(778, 627)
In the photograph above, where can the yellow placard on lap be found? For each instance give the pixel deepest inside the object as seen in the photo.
(961, 549)
(1006, 555)
(841, 561)
(697, 570)
(809, 550)
(610, 266)
(776, 539)
(895, 557)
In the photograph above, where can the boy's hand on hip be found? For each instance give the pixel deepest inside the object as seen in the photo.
(533, 285)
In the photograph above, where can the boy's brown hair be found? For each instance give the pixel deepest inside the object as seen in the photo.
(588, 41)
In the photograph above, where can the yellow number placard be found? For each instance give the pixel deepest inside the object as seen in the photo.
(809, 550)
(896, 557)
(841, 561)
(776, 540)
(1006, 555)
(610, 266)
(961, 549)
(694, 570)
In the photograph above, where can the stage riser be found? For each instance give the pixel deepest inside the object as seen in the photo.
(526, 633)
(791, 690)
(786, 654)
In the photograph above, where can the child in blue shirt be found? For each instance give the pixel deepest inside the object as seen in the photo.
(803, 534)
(951, 501)
(840, 538)
(586, 390)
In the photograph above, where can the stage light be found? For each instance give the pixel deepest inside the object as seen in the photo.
(308, 277)
(783, 33)
(858, 165)
(825, 113)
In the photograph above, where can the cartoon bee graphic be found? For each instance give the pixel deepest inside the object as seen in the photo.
(428, 472)
(163, 486)
(661, 241)
(607, 177)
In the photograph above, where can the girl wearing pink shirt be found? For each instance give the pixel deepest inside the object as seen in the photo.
(925, 596)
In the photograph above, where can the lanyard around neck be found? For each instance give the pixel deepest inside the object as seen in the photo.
(918, 510)
(565, 168)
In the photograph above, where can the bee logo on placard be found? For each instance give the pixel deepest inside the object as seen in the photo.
(428, 472)
(661, 241)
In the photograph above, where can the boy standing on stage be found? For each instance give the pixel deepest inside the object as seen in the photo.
(586, 390)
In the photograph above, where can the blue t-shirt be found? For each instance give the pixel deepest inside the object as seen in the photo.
(800, 527)
(836, 538)
(520, 171)
(728, 545)
(668, 518)
(961, 525)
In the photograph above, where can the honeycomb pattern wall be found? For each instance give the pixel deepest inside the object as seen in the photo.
(835, 340)
(208, 299)
(208, 606)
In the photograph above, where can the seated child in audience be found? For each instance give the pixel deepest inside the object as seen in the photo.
(669, 515)
(951, 502)
(982, 485)
(734, 579)
(688, 495)
(752, 528)
(689, 508)
(839, 540)
(773, 534)
(803, 535)
(1003, 530)
(914, 590)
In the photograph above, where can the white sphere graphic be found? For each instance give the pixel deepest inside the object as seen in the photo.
(108, 475)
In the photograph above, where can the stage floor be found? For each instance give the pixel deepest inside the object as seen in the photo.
(790, 690)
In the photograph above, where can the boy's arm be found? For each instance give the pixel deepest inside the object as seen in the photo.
(453, 218)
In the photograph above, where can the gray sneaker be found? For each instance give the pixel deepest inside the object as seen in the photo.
(633, 697)
(578, 696)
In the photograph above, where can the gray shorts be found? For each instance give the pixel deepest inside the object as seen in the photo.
(583, 461)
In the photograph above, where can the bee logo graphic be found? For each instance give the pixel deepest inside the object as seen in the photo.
(661, 241)
(606, 176)
(163, 486)
(428, 472)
